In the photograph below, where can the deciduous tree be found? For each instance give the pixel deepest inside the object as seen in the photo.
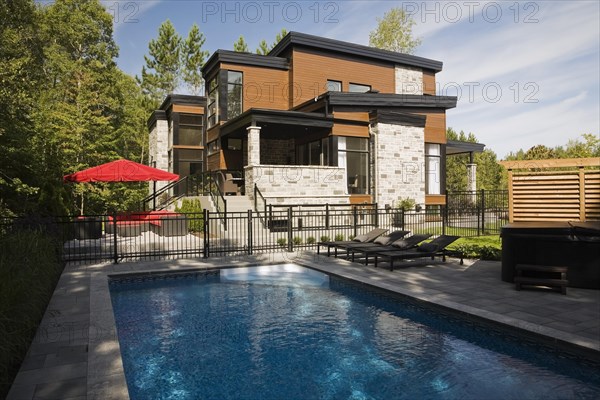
(394, 32)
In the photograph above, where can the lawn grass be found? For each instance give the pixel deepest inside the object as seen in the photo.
(29, 270)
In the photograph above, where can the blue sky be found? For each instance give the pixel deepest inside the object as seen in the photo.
(526, 73)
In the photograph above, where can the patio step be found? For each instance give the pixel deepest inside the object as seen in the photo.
(238, 203)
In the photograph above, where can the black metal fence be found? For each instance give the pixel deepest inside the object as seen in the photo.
(118, 238)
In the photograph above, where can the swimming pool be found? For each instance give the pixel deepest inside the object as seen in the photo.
(290, 332)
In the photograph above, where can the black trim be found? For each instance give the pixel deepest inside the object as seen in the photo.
(222, 89)
(377, 100)
(443, 169)
(175, 120)
(157, 115)
(183, 99)
(303, 39)
(458, 147)
(397, 117)
(234, 57)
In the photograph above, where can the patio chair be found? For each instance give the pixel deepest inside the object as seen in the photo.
(367, 237)
(398, 245)
(437, 247)
(384, 240)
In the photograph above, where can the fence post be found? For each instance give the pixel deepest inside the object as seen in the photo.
(483, 211)
(206, 231)
(327, 216)
(250, 235)
(444, 216)
(289, 229)
(376, 215)
(355, 218)
(115, 251)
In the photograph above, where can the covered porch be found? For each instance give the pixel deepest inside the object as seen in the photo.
(291, 157)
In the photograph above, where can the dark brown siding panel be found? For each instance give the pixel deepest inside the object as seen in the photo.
(311, 69)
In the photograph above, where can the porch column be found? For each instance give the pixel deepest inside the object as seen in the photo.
(253, 145)
(472, 177)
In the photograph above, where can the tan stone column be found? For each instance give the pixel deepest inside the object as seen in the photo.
(472, 177)
(253, 145)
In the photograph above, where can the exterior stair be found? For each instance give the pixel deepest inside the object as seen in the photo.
(238, 204)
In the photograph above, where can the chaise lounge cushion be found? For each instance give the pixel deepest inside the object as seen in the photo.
(428, 247)
(410, 241)
(361, 238)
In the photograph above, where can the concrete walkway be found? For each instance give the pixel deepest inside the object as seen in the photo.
(75, 354)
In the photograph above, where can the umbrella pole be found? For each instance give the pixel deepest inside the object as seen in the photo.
(154, 197)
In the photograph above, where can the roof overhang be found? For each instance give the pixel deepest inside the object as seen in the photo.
(383, 100)
(457, 147)
(284, 124)
(338, 46)
(235, 57)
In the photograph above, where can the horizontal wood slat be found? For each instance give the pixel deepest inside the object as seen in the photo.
(559, 195)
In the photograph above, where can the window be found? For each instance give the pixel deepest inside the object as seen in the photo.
(353, 155)
(189, 162)
(234, 94)
(433, 159)
(213, 102)
(190, 130)
(334, 86)
(358, 88)
(234, 144)
(213, 147)
(314, 153)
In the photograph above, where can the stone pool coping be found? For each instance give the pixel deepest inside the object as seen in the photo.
(474, 289)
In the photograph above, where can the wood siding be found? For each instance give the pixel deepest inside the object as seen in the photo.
(311, 69)
(353, 116)
(559, 195)
(435, 199)
(263, 87)
(359, 199)
(429, 83)
(435, 125)
(188, 109)
(212, 133)
(342, 129)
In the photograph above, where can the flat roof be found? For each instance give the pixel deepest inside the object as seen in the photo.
(338, 46)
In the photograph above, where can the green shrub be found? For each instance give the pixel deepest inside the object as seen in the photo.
(482, 252)
(339, 237)
(193, 210)
(297, 240)
(325, 238)
(281, 242)
(406, 204)
(29, 271)
(310, 240)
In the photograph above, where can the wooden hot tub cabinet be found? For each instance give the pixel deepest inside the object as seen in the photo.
(575, 245)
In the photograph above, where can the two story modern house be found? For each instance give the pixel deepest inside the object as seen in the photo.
(315, 121)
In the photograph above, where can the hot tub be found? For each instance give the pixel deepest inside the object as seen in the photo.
(572, 244)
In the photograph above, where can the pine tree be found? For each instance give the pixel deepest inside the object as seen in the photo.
(263, 48)
(160, 75)
(241, 46)
(279, 36)
(193, 58)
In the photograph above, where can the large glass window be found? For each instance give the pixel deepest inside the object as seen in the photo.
(353, 155)
(234, 94)
(334, 86)
(433, 169)
(213, 147)
(358, 88)
(213, 102)
(190, 130)
(314, 153)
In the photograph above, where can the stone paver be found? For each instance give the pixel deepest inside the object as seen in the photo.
(76, 355)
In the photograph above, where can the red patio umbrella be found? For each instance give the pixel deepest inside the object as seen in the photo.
(121, 171)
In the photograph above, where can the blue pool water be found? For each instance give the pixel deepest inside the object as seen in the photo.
(286, 332)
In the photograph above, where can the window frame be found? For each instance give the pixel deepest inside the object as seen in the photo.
(230, 83)
(429, 157)
(335, 82)
(212, 105)
(368, 87)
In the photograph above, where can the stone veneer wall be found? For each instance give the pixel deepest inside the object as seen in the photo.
(158, 147)
(298, 184)
(409, 80)
(400, 163)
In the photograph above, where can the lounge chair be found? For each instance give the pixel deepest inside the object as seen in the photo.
(398, 245)
(366, 238)
(437, 247)
(383, 240)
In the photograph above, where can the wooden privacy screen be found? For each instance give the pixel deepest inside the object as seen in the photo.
(554, 190)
